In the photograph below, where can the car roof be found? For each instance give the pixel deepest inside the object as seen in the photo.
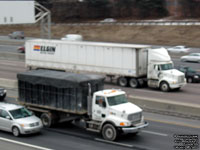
(8, 106)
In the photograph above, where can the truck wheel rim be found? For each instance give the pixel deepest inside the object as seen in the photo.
(133, 83)
(164, 87)
(109, 133)
(123, 82)
(45, 121)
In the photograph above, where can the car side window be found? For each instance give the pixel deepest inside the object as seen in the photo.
(3, 113)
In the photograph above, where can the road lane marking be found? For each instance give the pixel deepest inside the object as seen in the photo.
(174, 123)
(115, 143)
(155, 133)
(24, 144)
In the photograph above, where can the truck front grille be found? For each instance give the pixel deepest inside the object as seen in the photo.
(181, 79)
(135, 118)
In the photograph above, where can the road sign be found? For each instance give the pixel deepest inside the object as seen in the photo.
(17, 11)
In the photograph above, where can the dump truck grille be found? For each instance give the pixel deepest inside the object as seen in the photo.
(135, 118)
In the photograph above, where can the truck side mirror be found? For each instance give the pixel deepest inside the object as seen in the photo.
(104, 104)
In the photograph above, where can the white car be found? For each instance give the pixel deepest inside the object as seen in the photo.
(194, 57)
(179, 49)
(18, 120)
(108, 20)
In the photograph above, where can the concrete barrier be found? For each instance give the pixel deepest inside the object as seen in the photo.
(12, 56)
(8, 83)
(167, 107)
(154, 105)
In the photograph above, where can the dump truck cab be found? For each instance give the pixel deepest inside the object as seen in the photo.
(116, 114)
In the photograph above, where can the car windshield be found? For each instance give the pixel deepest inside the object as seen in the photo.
(20, 113)
(116, 100)
(191, 70)
(166, 66)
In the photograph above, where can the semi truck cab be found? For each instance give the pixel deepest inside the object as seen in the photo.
(115, 114)
(161, 72)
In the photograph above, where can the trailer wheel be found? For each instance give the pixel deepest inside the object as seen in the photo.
(122, 81)
(109, 132)
(164, 86)
(133, 83)
(46, 119)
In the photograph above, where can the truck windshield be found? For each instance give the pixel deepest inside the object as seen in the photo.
(20, 113)
(116, 100)
(166, 66)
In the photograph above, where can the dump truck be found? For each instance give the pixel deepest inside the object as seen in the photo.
(57, 96)
(131, 65)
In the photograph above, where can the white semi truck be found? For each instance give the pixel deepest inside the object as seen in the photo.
(130, 64)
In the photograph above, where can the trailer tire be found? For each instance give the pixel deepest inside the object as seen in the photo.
(122, 81)
(164, 86)
(46, 120)
(133, 83)
(109, 132)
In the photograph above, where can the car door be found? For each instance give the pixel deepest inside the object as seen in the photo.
(5, 122)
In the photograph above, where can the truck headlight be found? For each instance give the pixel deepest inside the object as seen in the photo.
(196, 77)
(4, 91)
(124, 124)
(173, 82)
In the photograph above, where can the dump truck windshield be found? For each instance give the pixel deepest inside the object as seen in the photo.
(116, 100)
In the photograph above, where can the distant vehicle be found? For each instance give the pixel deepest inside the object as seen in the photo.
(2, 94)
(193, 57)
(108, 20)
(179, 49)
(72, 37)
(17, 35)
(21, 49)
(18, 120)
(190, 74)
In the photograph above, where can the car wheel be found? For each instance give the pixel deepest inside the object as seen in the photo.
(15, 131)
(190, 80)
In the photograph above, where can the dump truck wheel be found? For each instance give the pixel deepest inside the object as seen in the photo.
(46, 119)
(109, 132)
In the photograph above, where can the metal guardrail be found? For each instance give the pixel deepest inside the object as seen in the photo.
(141, 23)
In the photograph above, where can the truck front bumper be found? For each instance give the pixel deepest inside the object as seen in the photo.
(134, 129)
(177, 85)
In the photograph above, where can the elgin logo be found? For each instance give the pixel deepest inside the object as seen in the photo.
(44, 49)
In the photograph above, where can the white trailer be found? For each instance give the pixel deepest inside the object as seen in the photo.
(131, 64)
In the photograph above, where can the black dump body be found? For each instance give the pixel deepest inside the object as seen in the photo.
(57, 90)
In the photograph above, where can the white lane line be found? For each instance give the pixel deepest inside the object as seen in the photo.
(24, 144)
(115, 143)
(155, 133)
